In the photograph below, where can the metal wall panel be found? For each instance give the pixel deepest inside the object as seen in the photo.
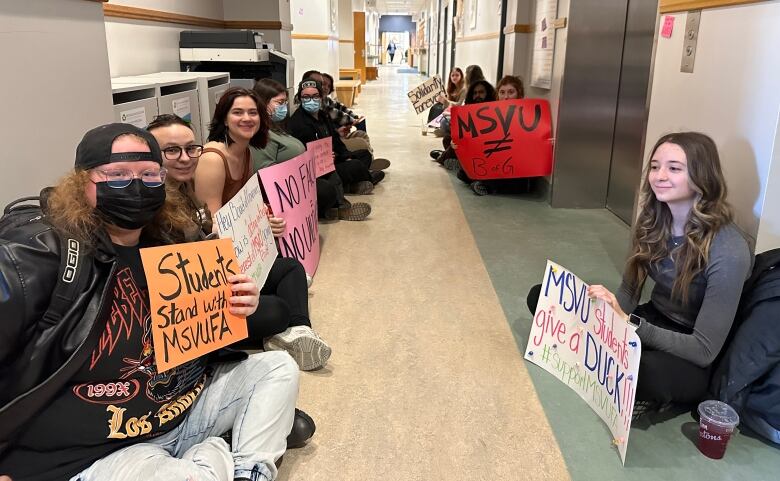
(586, 116)
(633, 97)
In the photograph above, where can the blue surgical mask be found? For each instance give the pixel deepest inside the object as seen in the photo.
(280, 113)
(312, 106)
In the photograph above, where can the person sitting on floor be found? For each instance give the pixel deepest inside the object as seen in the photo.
(283, 322)
(480, 91)
(282, 146)
(684, 239)
(344, 119)
(309, 123)
(109, 206)
(473, 75)
(508, 88)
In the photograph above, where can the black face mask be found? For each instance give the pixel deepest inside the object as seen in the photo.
(131, 207)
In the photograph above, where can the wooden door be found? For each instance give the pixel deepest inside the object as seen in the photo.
(359, 30)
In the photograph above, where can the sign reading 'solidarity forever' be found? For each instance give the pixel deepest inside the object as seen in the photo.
(424, 95)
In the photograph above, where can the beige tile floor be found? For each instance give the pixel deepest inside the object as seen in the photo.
(425, 382)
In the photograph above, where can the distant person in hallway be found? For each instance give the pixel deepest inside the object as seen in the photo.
(686, 241)
(310, 123)
(282, 146)
(508, 88)
(391, 48)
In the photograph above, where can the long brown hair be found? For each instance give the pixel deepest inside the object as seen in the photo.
(653, 228)
(218, 131)
(453, 89)
(68, 210)
(514, 82)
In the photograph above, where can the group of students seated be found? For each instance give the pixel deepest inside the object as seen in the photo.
(84, 389)
(467, 90)
(684, 239)
(80, 395)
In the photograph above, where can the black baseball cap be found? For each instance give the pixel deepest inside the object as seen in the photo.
(95, 148)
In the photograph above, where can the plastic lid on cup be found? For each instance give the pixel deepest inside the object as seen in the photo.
(718, 413)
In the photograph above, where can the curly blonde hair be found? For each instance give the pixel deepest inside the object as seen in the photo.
(68, 210)
(653, 228)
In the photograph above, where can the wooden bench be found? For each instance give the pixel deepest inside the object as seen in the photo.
(352, 74)
(346, 91)
(372, 73)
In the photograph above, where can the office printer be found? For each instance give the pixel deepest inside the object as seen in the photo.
(240, 52)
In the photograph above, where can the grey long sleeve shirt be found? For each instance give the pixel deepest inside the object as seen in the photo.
(713, 299)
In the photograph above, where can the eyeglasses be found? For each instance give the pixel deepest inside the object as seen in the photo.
(305, 98)
(119, 179)
(174, 152)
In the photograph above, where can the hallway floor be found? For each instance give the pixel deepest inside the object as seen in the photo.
(424, 306)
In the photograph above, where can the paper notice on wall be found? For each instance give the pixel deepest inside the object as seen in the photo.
(668, 27)
(544, 43)
(181, 107)
(135, 117)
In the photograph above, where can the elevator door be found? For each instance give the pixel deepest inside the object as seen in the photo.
(631, 117)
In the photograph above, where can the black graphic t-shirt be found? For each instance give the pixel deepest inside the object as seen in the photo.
(117, 398)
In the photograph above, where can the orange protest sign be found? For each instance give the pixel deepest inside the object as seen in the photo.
(189, 297)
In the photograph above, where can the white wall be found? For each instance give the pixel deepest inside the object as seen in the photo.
(138, 47)
(346, 35)
(55, 87)
(480, 52)
(733, 96)
(314, 17)
(262, 10)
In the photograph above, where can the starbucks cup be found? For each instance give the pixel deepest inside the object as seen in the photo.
(717, 421)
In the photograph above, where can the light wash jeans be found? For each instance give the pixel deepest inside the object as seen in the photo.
(255, 398)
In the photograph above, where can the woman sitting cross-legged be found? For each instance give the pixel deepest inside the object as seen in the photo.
(685, 240)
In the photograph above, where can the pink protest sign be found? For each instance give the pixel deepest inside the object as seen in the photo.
(668, 26)
(291, 189)
(322, 150)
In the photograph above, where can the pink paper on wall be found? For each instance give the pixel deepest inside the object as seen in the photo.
(291, 189)
(668, 26)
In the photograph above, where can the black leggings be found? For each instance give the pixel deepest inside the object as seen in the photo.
(284, 302)
(327, 195)
(663, 377)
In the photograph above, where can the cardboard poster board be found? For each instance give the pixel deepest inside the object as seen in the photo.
(291, 188)
(244, 219)
(322, 150)
(504, 140)
(424, 95)
(584, 344)
(189, 298)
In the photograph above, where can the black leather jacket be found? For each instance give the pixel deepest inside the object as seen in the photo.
(36, 358)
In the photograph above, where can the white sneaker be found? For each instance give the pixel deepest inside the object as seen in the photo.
(303, 344)
(309, 280)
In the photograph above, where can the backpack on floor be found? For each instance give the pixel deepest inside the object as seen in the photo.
(747, 375)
